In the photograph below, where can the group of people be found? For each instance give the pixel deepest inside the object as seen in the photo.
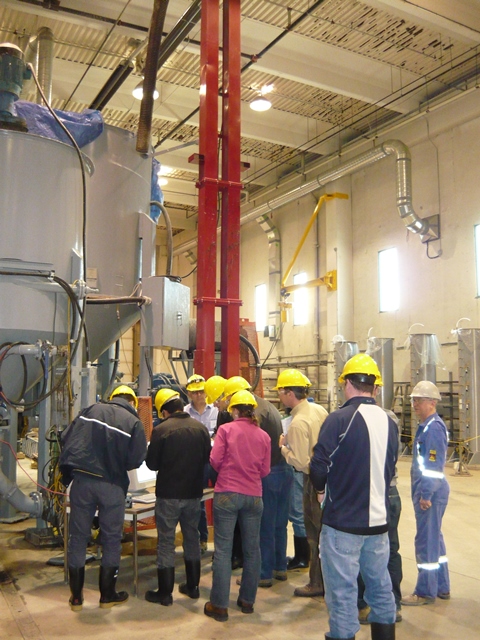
(347, 464)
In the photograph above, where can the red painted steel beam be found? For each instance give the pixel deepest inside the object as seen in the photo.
(230, 189)
(204, 357)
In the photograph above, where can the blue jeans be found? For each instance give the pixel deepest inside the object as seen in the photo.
(395, 559)
(227, 508)
(343, 556)
(273, 529)
(295, 514)
(168, 513)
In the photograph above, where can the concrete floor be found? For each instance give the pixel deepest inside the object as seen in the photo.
(33, 596)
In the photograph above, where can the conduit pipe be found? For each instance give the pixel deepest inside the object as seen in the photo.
(32, 504)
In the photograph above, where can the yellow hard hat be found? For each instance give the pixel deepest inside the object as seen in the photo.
(163, 396)
(195, 383)
(234, 384)
(426, 389)
(291, 378)
(361, 364)
(242, 397)
(214, 388)
(125, 390)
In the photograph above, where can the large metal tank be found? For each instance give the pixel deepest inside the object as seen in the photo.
(424, 357)
(118, 191)
(469, 389)
(41, 213)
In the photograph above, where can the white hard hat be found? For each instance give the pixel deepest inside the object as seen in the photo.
(426, 389)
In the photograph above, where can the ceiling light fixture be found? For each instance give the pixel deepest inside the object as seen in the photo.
(138, 92)
(162, 181)
(260, 103)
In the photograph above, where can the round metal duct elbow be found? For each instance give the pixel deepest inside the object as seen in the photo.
(32, 504)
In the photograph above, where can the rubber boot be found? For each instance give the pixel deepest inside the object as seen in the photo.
(108, 595)
(382, 631)
(330, 638)
(76, 577)
(190, 587)
(301, 558)
(166, 580)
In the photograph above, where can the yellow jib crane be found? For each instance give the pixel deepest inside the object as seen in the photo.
(329, 279)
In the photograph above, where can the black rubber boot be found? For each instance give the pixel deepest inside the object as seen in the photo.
(76, 577)
(301, 559)
(382, 631)
(166, 580)
(190, 587)
(108, 595)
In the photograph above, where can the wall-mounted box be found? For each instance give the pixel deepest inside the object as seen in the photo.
(165, 322)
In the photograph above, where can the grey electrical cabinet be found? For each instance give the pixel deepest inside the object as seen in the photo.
(165, 322)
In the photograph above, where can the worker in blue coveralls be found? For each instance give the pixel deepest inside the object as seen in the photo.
(430, 497)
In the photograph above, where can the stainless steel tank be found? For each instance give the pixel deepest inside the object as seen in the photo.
(41, 213)
(382, 352)
(424, 357)
(469, 389)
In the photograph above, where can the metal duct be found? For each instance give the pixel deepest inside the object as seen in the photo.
(403, 184)
(45, 63)
(404, 206)
(32, 504)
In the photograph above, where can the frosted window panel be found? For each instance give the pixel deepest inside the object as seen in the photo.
(477, 256)
(388, 276)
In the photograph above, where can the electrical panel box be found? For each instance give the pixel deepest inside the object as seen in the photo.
(165, 322)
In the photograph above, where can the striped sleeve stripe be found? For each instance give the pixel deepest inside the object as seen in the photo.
(107, 426)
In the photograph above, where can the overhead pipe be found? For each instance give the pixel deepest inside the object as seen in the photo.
(150, 76)
(39, 52)
(45, 63)
(403, 184)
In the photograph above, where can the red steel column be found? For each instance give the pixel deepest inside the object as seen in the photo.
(230, 235)
(204, 357)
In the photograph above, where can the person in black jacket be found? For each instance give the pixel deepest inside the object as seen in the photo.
(179, 449)
(98, 448)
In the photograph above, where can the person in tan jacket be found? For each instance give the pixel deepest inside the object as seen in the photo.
(297, 448)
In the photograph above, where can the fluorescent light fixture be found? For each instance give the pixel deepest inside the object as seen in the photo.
(138, 92)
(164, 170)
(162, 181)
(260, 104)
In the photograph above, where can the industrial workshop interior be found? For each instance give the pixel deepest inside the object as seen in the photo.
(232, 188)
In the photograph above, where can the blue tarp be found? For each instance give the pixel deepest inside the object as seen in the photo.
(84, 127)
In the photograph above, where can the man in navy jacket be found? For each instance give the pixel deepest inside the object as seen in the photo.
(351, 469)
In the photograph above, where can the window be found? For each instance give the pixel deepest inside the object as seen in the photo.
(300, 300)
(477, 256)
(388, 280)
(260, 307)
